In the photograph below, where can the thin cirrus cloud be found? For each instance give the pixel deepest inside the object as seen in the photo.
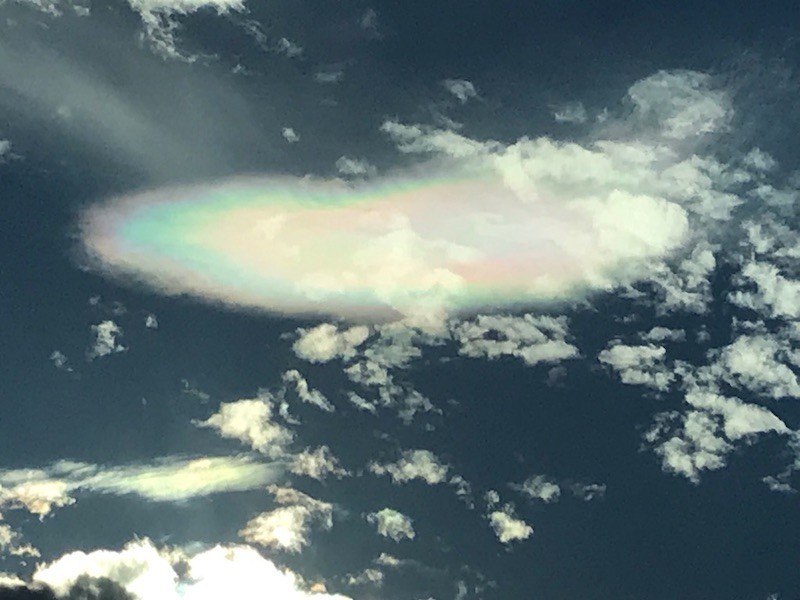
(171, 479)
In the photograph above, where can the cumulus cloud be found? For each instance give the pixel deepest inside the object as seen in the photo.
(413, 464)
(507, 527)
(359, 167)
(392, 524)
(60, 360)
(150, 573)
(151, 321)
(250, 421)
(533, 339)
(638, 365)
(461, 89)
(317, 464)
(289, 526)
(758, 363)
(539, 487)
(326, 342)
(106, 335)
(289, 48)
(290, 135)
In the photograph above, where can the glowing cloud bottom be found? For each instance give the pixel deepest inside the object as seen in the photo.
(401, 248)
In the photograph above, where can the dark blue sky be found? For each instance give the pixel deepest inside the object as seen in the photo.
(692, 105)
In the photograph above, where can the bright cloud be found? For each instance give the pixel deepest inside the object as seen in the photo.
(413, 464)
(392, 524)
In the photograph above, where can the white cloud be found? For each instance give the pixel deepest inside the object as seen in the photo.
(150, 573)
(530, 338)
(757, 363)
(414, 403)
(638, 365)
(288, 527)
(664, 334)
(776, 296)
(368, 576)
(696, 445)
(392, 524)
(571, 112)
(151, 321)
(106, 334)
(170, 479)
(290, 135)
(160, 22)
(354, 166)
(507, 527)
(317, 464)
(539, 487)
(250, 422)
(461, 89)
(306, 394)
(739, 419)
(413, 464)
(38, 496)
(325, 342)
(361, 403)
(684, 104)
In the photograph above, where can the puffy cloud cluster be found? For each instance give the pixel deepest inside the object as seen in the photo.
(146, 572)
(106, 334)
(251, 422)
(534, 339)
(413, 464)
(507, 526)
(638, 365)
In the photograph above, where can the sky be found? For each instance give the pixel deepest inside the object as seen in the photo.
(399, 300)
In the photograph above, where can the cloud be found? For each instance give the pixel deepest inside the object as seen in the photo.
(507, 527)
(289, 48)
(758, 363)
(588, 491)
(461, 89)
(288, 527)
(317, 464)
(369, 23)
(290, 135)
(413, 464)
(150, 573)
(368, 576)
(571, 112)
(531, 338)
(354, 166)
(151, 321)
(106, 334)
(325, 342)
(392, 524)
(160, 22)
(250, 421)
(539, 487)
(683, 103)
(60, 361)
(169, 479)
(664, 334)
(307, 395)
(638, 365)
